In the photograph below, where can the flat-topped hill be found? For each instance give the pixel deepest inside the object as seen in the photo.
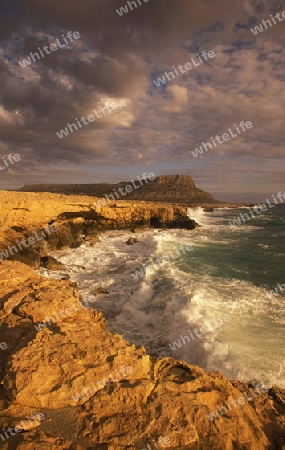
(167, 188)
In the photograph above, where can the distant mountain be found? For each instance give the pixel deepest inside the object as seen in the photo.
(168, 188)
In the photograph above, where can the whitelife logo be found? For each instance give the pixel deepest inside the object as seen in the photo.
(281, 287)
(243, 217)
(187, 66)
(46, 232)
(52, 47)
(23, 426)
(221, 139)
(124, 9)
(160, 261)
(10, 158)
(240, 401)
(55, 318)
(203, 330)
(259, 28)
(71, 127)
(125, 190)
(122, 373)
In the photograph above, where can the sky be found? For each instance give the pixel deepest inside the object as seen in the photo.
(116, 59)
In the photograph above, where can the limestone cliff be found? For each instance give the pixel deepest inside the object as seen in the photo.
(78, 219)
(94, 389)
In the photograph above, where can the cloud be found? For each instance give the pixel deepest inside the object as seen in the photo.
(117, 59)
(178, 98)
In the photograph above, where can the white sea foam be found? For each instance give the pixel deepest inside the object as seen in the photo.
(182, 295)
(198, 214)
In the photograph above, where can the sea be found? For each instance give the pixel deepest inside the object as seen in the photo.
(235, 272)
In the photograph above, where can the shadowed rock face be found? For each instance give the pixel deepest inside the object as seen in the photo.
(70, 368)
(78, 219)
(72, 372)
(168, 188)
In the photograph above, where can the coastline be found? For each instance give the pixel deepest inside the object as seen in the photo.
(63, 354)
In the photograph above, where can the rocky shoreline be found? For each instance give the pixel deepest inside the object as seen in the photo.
(74, 371)
(77, 219)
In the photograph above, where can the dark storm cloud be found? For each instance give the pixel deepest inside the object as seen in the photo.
(116, 59)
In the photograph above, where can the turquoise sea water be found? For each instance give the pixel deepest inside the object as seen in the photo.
(231, 270)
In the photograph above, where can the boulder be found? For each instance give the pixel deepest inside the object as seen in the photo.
(99, 291)
(50, 263)
(132, 241)
(209, 210)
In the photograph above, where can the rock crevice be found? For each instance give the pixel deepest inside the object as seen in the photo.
(74, 371)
